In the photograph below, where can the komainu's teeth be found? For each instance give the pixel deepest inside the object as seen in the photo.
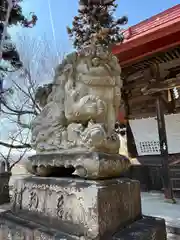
(80, 171)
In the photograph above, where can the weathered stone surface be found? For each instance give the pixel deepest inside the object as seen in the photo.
(17, 228)
(80, 107)
(91, 165)
(13, 227)
(4, 188)
(147, 228)
(92, 209)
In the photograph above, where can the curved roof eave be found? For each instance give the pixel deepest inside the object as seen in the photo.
(156, 27)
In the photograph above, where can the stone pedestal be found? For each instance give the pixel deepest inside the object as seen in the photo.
(4, 188)
(66, 208)
(86, 164)
(86, 208)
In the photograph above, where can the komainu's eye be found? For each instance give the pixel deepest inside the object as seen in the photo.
(95, 62)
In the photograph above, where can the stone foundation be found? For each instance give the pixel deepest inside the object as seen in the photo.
(147, 228)
(66, 208)
(14, 227)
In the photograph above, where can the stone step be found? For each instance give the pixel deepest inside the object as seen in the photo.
(173, 230)
(147, 228)
(16, 227)
(171, 236)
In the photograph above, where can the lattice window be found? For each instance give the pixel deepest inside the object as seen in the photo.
(149, 147)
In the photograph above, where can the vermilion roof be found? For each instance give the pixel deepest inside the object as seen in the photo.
(160, 26)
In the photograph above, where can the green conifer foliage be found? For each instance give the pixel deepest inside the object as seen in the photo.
(95, 23)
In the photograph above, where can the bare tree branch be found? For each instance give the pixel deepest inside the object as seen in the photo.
(20, 106)
(25, 145)
(21, 112)
(19, 159)
(8, 159)
(30, 97)
(23, 125)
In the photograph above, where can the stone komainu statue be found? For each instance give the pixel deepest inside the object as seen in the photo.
(81, 105)
(74, 133)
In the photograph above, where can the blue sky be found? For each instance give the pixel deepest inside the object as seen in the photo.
(64, 10)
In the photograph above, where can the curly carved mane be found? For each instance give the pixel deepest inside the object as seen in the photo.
(45, 93)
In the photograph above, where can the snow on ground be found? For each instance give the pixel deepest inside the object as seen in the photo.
(153, 204)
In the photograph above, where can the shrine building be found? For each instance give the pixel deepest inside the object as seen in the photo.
(150, 61)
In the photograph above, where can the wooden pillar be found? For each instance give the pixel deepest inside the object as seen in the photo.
(131, 146)
(164, 149)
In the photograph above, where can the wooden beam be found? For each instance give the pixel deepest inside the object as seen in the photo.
(140, 98)
(134, 85)
(134, 76)
(160, 86)
(170, 64)
(164, 66)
